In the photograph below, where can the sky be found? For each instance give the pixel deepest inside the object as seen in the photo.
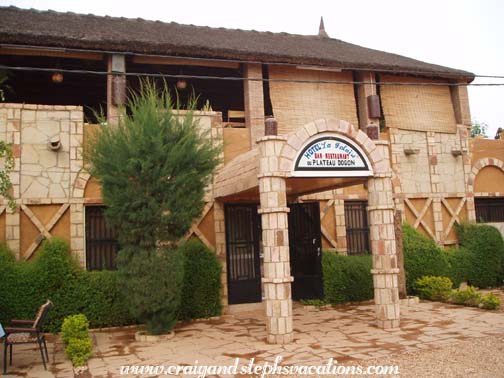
(460, 34)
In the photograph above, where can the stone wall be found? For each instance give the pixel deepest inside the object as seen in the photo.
(42, 178)
(52, 189)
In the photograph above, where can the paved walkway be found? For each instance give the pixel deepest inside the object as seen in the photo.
(345, 333)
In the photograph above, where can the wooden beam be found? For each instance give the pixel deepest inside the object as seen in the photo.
(139, 59)
(52, 53)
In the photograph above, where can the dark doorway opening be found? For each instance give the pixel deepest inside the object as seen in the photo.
(305, 250)
(242, 253)
(357, 228)
(101, 241)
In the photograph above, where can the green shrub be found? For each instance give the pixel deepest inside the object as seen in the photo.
(74, 327)
(460, 261)
(433, 288)
(486, 254)
(79, 351)
(422, 257)
(490, 302)
(468, 297)
(202, 282)
(75, 335)
(152, 283)
(346, 278)
(53, 274)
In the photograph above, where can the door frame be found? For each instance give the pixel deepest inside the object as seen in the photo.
(315, 281)
(253, 292)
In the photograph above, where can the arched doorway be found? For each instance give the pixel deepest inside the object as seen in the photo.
(321, 155)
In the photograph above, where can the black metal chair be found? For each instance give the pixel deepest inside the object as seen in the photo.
(28, 332)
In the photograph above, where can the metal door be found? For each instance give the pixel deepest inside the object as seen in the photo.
(242, 253)
(305, 250)
(101, 241)
(357, 229)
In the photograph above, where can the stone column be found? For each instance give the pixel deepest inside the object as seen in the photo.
(254, 102)
(383, 245)
(10, 131)
(277, 278)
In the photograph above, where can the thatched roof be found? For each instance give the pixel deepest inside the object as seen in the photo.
(79, 31)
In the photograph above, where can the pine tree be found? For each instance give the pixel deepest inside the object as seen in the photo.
(154, 166)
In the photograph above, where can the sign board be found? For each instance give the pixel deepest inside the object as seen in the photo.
(331, 156)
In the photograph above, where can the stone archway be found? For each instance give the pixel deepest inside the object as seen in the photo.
(477, 167)
(277, 157)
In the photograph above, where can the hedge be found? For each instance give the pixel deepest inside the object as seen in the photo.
(481, 261)
(202, 282)
(422, 257)
(54, 274)
(346, 278)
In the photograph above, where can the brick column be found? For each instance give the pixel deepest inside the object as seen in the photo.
(77, 233)
(10, 131)
(254, 102)
(383, 246)
(277, 279)
(220, 249)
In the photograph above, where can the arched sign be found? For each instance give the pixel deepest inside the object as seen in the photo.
(331, 156)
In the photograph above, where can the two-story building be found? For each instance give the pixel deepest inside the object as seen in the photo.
(324, 143)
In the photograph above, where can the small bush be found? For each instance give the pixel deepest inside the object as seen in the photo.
(467, 297)
(422, 257)
(433, 288)
(74, 327)
(202, 282)
(75, 335)
(346, 278)
(79, 351)
(486, 254)
(152, 283)
(490, 302)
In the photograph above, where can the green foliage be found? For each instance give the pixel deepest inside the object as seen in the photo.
(153, 167)
(152, 283)
(346, 278)
(460, 260)
(479, 129)
(79, 351)
(490, 302)
(433, 288)
(55, 275)
(422, 257)
(75, 335)
(486, 254)
(467, 297)
(202, 282)
(74, 327)
(314, 302)
(7, 158)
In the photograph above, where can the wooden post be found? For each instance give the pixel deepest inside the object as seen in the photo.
(400, 254)
(116, 86)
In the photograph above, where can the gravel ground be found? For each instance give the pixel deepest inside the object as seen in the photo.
(471, 358)
(475, 358)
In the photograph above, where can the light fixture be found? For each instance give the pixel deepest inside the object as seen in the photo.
(181, 84)
(411, 151)
(57, 77)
